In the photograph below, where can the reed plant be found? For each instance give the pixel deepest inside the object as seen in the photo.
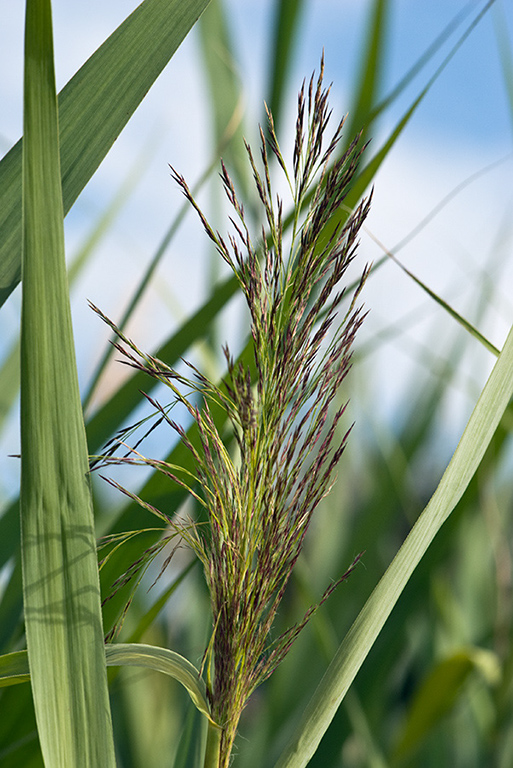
(256, 453)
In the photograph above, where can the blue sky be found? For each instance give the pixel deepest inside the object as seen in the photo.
(470, 98)
(464, 123)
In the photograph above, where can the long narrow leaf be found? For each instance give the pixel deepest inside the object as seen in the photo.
(360, 638)
(60, 573)
(14, 667)
(161, 660)
(94, 108)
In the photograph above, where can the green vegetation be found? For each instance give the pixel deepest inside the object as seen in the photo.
(409, 661)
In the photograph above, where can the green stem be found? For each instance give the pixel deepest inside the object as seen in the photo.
(212, 748)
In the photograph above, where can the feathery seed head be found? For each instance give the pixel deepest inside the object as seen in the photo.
(260, 499)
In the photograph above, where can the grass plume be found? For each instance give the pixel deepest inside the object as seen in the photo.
(260, 497)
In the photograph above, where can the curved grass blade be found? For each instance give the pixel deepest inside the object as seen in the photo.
(60, 573)
(94, 108)
(176, 666)
(14, 668)
(360, 638)
(161, 660)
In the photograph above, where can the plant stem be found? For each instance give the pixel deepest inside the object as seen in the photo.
(213, 746)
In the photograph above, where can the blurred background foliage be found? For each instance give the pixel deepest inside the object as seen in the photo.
(436, 688)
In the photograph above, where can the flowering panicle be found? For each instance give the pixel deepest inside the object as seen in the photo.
(260, 498)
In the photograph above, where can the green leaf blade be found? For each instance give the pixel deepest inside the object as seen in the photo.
(94, 108)
(161, 660)
(359, 640)
(60, 573)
